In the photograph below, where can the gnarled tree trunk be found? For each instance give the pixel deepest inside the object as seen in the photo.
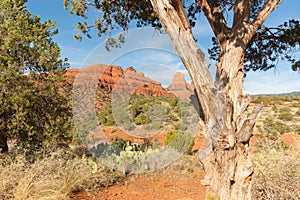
(228, 168)
(225, 159)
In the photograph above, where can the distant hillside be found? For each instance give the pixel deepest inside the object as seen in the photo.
(291, 94)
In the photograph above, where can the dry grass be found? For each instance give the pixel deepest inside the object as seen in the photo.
(277, 174)
(52, 178)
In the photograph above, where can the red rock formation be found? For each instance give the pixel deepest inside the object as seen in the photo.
(115, 79)
(180, 87)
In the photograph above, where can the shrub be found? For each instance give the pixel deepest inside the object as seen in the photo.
(105, 116)
(154, 126)
(277, 175)
(177, 126)
(275, 109)
(53, 177)
(139, 121)
(286, 116)
(297, 131)
(284, 109)
(275, 127)
(182, 142)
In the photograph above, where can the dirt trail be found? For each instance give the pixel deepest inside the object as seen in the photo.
(171, 185)
(179, 181)
(156, 186)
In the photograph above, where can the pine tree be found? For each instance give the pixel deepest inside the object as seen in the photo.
(34, 110)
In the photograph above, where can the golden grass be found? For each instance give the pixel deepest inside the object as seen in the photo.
(51, 179)
(277, 174)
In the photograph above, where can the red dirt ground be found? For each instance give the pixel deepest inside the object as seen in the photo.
(154, 186)
(162, 185)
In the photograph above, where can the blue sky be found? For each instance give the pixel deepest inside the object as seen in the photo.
(153, 54)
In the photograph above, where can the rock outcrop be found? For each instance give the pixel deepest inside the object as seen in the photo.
(180, 87)
(115, 79)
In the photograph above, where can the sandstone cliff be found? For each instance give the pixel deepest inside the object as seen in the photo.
(180, 87)
(114, 78)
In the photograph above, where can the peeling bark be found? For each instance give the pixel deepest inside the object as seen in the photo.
(225, 158)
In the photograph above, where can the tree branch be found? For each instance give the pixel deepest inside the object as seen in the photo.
(181, 14)
(174, 19)
(262, 15)
(241, 14)
(213, 13)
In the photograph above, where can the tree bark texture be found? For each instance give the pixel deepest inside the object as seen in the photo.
(225, 158)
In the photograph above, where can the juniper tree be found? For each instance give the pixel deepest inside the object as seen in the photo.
(243, 45)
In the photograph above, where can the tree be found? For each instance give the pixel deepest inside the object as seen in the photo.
(238, 48)
(34, 110)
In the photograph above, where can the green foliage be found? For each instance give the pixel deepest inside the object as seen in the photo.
(105, 116)
(275, 128)
(182, 142)
(268, 46)
(284, 114)
(115, 15)
(125, 145)
(34, 108)
(284, 109)
(275, 99)
(262, 99)
(153, 113)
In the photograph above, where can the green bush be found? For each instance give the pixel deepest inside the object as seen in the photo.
(284, 109)
(182, 142)
(286, 116)
(105, 116)
(34, 104)
(275, 128)
(154, 126)
(139, 121)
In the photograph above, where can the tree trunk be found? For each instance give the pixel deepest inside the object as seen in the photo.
(225, 158)
(3, 143)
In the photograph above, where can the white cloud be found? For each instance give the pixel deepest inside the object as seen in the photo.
(272, 82)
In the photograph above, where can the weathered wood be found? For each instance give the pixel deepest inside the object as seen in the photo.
(174, 21)
(225, 158)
